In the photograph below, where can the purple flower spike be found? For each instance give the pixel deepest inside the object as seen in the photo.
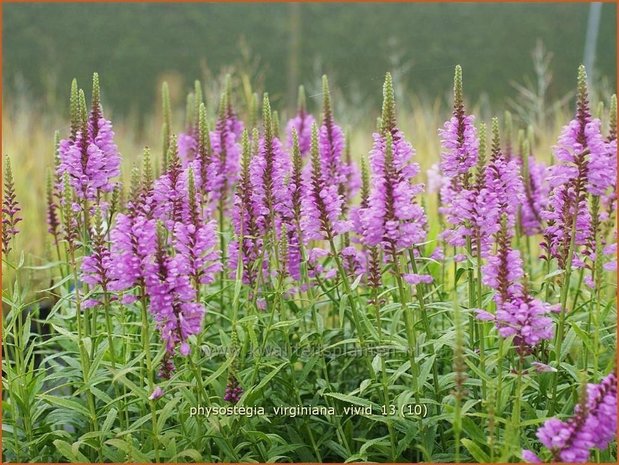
(518, 314)
(269, 170)
(460, 201)
(321, 202)
(224, 169)
(195, 239)
(393, 217)
(593, 425)
(91, 157)
(302, 123)
(134, 243)
(248, 243)
(172, 297)
(580, 144)
(331, 143)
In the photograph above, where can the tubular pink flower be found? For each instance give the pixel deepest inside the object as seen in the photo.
(187, 147)
(568, 212)
(196, 245)
(459, 144)
(225, 166)
(172, 299)
(459, 154)
(91, 161)
(134, 241)
(321, 204)
(302, 123)
(518, 314)
(269, 170)
(602, 167)
(393, 216)
(593, 425)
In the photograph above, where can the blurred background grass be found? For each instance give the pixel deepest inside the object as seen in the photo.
(521, 57)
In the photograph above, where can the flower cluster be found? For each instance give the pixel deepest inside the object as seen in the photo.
(295, 227)
(593, 425)
(89, 155)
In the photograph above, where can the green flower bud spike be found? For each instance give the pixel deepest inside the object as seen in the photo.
(296, 178)
(347, 149)
(167, 119)
(74, 108)
(147, 170)
(388, 119)
(96, 97)
(193, 205)
(135, 185)
(267, 120)
(301, 103)
(327, 112)
(275, 124)
(508, 134)
(246, 155)
(458, 94)
(221, 111)
(582, 107)
(365, 183)
(173, 159)
(197, 101)
(599, 111)
(83, 112)
(204, 139)
(495, 148)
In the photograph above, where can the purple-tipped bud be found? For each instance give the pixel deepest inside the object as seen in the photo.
(234, 391)
(302, 123)
(10, 209)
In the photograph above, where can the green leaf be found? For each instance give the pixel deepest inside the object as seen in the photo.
(165, 413)
(109, 420)
(133, 454)
(191, 453)
(475, 451)
(258, 389)
(66, 403)
(67, 451)
(568, 342)
(583, 336)
(350, 399)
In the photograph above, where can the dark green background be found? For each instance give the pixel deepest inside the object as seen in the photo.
(131, 45)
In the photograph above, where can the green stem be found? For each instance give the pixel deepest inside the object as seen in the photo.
(409, 324)
(149, 371)
(85, 362)
(562, 316)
